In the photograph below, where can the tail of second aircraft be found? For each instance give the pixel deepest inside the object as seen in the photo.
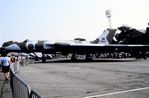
(106, 37)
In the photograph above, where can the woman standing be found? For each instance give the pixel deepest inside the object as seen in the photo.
(5, 62)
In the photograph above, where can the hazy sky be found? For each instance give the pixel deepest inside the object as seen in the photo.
(67, 19)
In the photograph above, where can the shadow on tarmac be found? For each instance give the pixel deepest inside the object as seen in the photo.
(67, 60)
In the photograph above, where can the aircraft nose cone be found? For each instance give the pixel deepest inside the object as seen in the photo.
(30, 46)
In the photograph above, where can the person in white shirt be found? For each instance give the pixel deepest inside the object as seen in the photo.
(5, 62)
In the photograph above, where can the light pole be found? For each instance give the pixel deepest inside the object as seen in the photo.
(108, 15)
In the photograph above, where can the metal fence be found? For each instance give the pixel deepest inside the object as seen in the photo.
(20, 89)
(34, 95)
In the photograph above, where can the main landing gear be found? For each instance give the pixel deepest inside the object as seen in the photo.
(43, 58)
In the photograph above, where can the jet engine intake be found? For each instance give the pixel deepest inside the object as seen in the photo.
(30, 46)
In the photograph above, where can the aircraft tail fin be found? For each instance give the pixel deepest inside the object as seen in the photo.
(106, 37)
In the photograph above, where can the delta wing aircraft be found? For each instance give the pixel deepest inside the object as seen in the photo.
(78, 46)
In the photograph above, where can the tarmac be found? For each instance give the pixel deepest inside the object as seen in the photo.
(62, 78)
(5, 90)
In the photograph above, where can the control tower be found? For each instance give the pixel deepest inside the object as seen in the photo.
(108, 15)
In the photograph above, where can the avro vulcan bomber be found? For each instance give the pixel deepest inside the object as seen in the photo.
(78, 46)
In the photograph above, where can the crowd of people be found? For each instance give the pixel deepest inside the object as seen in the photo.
(5, 62)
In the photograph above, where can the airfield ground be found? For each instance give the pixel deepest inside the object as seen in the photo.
(125, 78)
(5, 90)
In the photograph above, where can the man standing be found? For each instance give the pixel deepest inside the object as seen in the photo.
(5, 62)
